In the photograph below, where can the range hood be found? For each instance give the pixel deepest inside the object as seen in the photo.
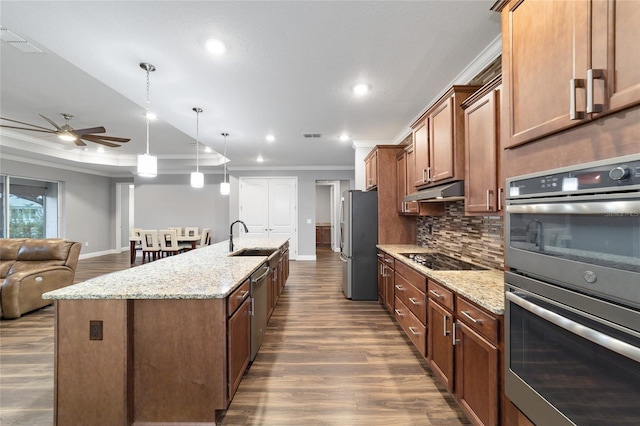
(447, 192)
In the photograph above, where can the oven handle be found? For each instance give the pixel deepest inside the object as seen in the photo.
(596, 337)
(596, 207)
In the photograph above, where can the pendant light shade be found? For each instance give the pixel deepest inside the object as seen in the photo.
(197, 178)
(147, 163)
(225, 187)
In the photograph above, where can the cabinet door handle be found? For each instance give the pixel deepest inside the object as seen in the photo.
(399, 287)
(436, 294)
(388, 260)
(380, 255)
(398, 312)
(453, 334)
(500, 198)
(488, 199)
(472, 319)
(243, 294)
(428, 174)
(593, 74)
(413, 301)
(413, 331)
(445, 332)
(574, 114)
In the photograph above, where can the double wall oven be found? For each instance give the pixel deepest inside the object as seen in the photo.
(572, 314)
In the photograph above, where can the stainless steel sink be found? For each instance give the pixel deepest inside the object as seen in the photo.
(254, 252)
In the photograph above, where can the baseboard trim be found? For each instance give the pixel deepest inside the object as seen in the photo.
(304, 257)
(98, 253)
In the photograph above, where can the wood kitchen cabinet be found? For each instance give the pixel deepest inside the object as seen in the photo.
(405, 166)
(238, 335)
(386, 280)
(477, 363)
(323, 235)
(371, 170)
(393, 228)
(410, 308)
(483, 189)
(566, 63)
(439, 341)
(438, 139)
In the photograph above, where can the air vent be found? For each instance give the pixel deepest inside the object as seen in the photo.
(312, 135)
(18, 42)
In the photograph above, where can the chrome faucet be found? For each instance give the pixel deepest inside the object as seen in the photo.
(231, 233)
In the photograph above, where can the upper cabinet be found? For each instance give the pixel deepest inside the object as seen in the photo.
(371, 170)
(483, 189)
(438, 139)
(566, 63)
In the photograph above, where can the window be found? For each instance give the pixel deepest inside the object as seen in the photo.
(29, 208)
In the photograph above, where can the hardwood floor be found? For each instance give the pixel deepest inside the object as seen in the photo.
(325, 361)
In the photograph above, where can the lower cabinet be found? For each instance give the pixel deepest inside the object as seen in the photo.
(413, 328)
(440, 343)
(239, 336)
(386, 280)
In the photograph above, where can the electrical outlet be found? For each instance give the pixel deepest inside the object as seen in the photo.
(86, 244)
(95, 330)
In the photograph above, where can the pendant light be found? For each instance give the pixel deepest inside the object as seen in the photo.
(225, 187)
(147, 163)
(197, 178)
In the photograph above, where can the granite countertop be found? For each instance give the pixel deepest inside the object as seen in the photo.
(204, 273)
(486, 288)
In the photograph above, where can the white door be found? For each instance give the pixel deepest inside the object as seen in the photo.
(268, 206)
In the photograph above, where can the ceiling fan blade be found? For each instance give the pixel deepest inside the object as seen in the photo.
(89, 130)
(101, 142)
(26, 124)
(52, 123)
(107, 138)
(32, 130)
(78, 142)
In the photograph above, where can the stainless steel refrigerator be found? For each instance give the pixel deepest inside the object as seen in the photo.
(358, 239)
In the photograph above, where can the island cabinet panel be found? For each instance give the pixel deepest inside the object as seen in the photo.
(180, 349)
(566, 63)
(239, 340)
(92, 373)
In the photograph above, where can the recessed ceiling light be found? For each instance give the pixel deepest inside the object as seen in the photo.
(215, 46)
(208, 150)
(100, 149)
(259, 159)
(270, 138)
(151, 115)
(361, 89)
(344, 137)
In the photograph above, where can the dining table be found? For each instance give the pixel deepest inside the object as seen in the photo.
(133, 240)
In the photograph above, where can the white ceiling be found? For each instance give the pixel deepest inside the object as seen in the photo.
(288, 70)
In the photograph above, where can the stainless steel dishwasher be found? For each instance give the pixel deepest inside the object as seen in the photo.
(259, 308)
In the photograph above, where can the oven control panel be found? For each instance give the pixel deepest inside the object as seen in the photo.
(622, 173)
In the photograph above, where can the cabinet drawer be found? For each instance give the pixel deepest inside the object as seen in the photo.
(389, 260)
(412, 326)
(478, 320)
(413, 298)
(237, 297)
(418, 280)
(441, 295)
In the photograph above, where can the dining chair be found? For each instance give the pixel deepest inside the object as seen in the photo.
(150, 244)
(169, 242)
(205, 238)
(191, 231)
(135, 242)
(177, 228)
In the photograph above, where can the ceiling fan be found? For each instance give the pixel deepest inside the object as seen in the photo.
(68, 133)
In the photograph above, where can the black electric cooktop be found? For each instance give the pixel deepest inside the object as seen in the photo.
(441, 262)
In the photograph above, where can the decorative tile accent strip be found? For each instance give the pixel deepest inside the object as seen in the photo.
(478, 239)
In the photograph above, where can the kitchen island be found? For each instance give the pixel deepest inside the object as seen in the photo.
(165, 342)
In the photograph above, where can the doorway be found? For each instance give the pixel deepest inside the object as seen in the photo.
(124, 215)
(328, 214)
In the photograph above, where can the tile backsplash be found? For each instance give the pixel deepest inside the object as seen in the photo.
(478, 239)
